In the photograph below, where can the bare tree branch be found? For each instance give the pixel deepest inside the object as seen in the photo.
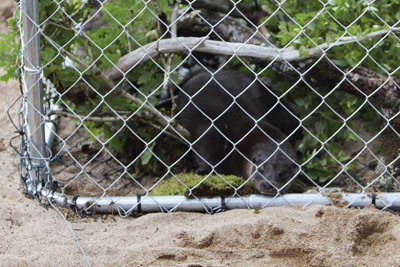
(202, 44)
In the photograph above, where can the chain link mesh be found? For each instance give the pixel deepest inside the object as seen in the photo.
(210, 98)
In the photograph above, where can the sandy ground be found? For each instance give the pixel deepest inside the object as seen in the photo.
(31, 235)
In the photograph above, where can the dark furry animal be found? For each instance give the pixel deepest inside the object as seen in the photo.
(238, 127)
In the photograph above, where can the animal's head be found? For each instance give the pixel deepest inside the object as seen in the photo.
(273, 169)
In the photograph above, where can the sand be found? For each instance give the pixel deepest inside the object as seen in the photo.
(32, 235)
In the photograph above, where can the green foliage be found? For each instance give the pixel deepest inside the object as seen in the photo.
(324, 148)
(9, 49)
(117, 28)
(147, 155)
(186, 183)
(306, 24)
(94, 40)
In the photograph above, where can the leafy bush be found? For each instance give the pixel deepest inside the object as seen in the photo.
(9, 49)
(306, 24)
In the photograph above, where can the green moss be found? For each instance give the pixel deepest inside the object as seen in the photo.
(190, 184)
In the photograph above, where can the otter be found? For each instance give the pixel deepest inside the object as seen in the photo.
(238, 126)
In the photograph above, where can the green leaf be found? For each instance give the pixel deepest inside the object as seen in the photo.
(147, 155)
(303, 52)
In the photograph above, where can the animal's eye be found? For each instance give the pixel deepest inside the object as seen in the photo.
(282, 173)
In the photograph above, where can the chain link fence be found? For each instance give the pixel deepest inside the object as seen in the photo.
(132, 106)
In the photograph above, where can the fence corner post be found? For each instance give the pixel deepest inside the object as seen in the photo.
(35, 155)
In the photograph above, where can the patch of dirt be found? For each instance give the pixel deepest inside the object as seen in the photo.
(2, 145)
(6, 10)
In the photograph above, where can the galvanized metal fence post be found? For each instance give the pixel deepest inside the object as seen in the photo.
(33, 96)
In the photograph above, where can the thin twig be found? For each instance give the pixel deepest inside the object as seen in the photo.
(168, 60)
(141, 117)
(163, 120)
(97, 118)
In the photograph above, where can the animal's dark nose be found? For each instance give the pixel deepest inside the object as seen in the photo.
(267, 188)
